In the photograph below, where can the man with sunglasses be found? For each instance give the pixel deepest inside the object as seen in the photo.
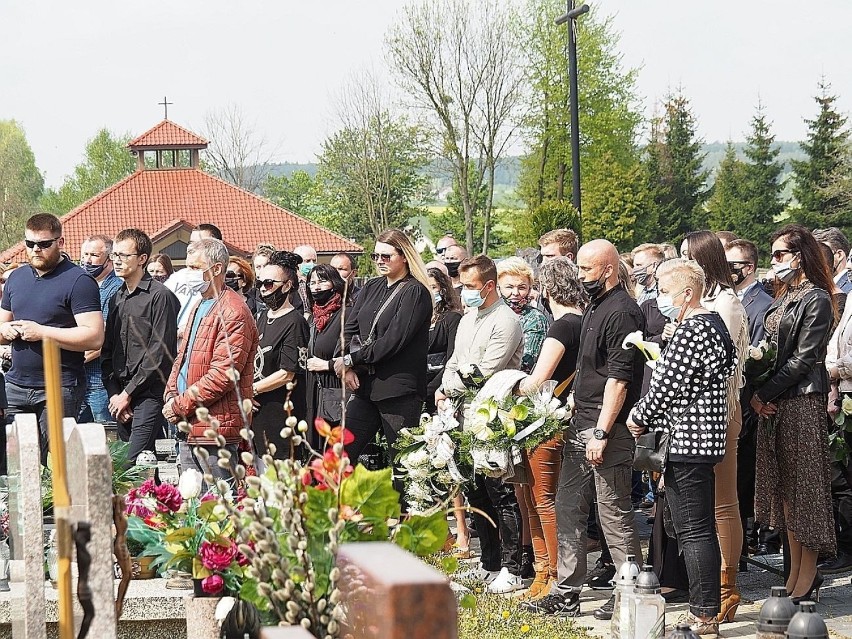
(742, 258)
(56, 299)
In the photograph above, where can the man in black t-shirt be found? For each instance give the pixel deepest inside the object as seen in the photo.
(51, 298)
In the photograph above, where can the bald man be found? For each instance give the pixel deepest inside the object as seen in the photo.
(453, 256)
(597, 458)
(443, 244)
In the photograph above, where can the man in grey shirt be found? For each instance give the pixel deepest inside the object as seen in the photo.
(488, 337)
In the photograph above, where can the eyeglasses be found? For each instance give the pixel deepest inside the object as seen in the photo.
(121, 257)
(735, 263)
(230, 275)
(269, 283)
(382, 257)
(42, 244)
(441, 251)
(776, 255)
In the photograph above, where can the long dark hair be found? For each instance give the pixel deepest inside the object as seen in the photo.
(706, 249)
(325, 273)
(450, 300)
(800, 240)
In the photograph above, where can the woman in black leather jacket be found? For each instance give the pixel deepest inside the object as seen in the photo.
(793, 473)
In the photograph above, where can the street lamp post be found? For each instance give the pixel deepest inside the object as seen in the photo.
(570, 17)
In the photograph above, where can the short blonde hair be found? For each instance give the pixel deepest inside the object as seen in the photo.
(515, 266)
(654, 249)
(683, 273)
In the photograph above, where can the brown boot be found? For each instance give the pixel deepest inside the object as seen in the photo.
(730, 595)
(539, 583)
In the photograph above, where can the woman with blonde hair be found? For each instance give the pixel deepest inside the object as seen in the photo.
(386, 342)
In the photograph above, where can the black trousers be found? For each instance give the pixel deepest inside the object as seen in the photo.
(501, 546)
(365, 418)
(841, 499)
(144, 428)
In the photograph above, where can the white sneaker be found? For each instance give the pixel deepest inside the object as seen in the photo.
(478, 574)
(505, 582)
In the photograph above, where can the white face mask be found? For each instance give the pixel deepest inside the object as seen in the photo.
(784, 271)
(195, 281)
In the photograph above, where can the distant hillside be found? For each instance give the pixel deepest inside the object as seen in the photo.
(509, 169)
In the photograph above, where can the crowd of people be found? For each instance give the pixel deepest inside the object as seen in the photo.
(748, 465)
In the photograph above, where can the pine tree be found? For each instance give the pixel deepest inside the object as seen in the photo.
(726, 206)
(820, 202)
(678, 181)
(763, 203)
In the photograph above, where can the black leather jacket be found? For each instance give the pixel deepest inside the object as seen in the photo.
(803, 335)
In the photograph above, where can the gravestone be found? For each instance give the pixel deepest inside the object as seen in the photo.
(90, 486)
(26, 528)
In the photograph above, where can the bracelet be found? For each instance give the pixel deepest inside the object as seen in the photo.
(331, 365)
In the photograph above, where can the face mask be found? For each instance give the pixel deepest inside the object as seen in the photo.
(321, 298)
(667, 306)
(94, 269)
(305, 268)
(160, 278)
(641, 276)
(232, 283)
(737, 274)
(195, 281)
(452, 268)
(784, 271)
(276, 299)
(593, 289)
(473, 299)
(438, 298)
(516, 305)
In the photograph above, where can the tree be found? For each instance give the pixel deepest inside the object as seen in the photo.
(370, 168)
(236, 152)
(459, 62)
(609, 124)
(106, 161)
(820, 202)
(21, 183)
(296, 192)
(763, 202)
(726, 205)
(678, 183)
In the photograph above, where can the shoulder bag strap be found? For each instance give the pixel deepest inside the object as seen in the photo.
(384, 307)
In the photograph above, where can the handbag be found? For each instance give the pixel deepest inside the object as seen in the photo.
(652, 451)
(329, 404)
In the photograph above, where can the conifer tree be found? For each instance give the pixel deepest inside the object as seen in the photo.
(817, 178)
(726, 206)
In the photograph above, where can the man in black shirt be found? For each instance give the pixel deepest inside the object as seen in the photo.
(598, 453)
(139, 345)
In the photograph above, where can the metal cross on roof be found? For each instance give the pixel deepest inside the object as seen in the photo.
(165, 104)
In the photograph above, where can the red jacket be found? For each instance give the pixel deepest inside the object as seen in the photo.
(210, 360)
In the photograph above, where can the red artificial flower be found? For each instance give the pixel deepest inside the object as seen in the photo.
(213, 584)
(217, 556)
(333, 435)
(169, 499)
(328, 466)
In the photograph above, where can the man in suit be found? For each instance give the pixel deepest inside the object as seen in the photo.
(742, 258)
(834, 239)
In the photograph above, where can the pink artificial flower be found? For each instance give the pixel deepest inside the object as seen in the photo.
(168, 498)
(216, 556)
(213, 584)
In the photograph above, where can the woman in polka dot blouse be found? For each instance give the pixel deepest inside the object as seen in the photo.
(688, 398)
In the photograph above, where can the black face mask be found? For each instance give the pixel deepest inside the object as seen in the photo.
(737, 275)
(321, 298)
(452, 268)
(232, 283)
(593, 289)
(160, 278)
(276, 299)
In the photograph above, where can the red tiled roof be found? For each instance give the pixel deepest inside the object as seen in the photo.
(153, 200)
(167, 135)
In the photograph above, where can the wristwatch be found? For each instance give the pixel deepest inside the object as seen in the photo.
(600, 433)
(347, 361)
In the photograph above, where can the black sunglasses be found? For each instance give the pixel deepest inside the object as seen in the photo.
(384, 257)
(776, 255)
(230, 275)
(269, 283)
(441, 251)
(42, 244)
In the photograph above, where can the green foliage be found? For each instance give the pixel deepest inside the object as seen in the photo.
(106, 162)
(822, 181)
(677, 183)
(530, 225)
(612, 191)
(21, 183)
(725, 207)
(371, 493)
(423, 534)
(297, 192)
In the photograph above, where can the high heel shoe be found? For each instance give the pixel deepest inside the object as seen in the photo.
(813, 590)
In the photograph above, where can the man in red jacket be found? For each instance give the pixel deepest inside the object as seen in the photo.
(214, 367)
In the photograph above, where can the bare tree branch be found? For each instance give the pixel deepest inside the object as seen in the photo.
(237, 153)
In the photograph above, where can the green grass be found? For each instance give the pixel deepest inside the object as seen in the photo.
(486, 616)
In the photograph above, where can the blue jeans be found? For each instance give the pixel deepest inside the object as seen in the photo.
(95, 407)
(691, 495)
(34, 400)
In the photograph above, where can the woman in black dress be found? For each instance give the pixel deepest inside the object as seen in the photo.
(387, 338)
(325, 297)
(442, 332)
(283, 332)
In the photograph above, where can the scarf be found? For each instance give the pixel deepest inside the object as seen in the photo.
(322, 314)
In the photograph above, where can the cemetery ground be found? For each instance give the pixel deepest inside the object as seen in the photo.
(500, 616)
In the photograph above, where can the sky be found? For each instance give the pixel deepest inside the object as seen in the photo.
(68, 69)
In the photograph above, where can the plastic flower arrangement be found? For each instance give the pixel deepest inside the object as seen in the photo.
(295, 516)
(837, 439)
(760, 362)
(651, 350)
(186, 530)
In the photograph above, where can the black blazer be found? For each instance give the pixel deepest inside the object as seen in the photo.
(803, 335)
(756, 302)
